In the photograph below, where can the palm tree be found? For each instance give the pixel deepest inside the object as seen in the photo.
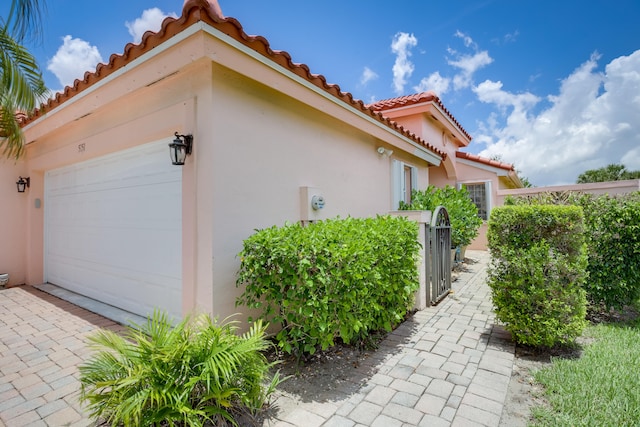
(21, 82)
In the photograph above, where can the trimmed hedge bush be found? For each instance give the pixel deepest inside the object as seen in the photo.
(538, 268)
(336, 278)
(612, 226)
(463, 213)
(613, 239)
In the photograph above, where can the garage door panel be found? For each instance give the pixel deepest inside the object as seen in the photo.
(114, 229)
(119, 287)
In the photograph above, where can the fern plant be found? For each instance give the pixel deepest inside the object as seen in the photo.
(187, 374)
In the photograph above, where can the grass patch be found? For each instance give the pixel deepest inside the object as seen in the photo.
(600, 388)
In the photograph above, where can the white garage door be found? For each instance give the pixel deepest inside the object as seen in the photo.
(113, 228)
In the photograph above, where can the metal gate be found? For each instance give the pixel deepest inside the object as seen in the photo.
(439, 254)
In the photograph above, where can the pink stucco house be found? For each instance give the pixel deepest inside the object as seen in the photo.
(107, 215)
(425, 115)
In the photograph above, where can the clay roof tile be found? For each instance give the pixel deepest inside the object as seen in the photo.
(417, 98)
(209, 11)
(484, 160)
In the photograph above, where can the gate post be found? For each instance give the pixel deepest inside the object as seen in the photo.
(423, 218)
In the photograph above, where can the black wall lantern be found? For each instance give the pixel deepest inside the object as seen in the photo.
(180, 148)
(23, 184)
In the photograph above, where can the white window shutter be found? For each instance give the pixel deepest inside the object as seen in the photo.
(487, 193)
(414, 178)
(397, 182)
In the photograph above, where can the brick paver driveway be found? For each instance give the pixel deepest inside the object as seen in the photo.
(42, 342)
(449, 366)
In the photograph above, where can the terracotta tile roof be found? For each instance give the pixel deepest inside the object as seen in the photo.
(209, 11)
(417, 98)
(484, 160)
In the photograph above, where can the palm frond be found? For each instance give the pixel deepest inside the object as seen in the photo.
(195, 371)
(25, 19)
(21, 87)
(21, 78)
(11, 136)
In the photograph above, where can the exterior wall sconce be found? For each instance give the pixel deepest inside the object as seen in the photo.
(180, 148)
(23, 184)
(384, 152)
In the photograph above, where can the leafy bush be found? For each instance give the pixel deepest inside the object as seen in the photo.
(613, 238)
(463, 213)
(538, 267)
(613, 242)
(336, 278)
(194, 372)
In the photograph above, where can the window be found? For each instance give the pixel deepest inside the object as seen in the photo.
(480, 195)
(405, 179)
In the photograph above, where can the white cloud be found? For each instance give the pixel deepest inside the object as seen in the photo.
(467, 40)
(73, 59)
(368, 75)
(468, 65)
(151, 20)
(492, 93)
(632, 159)
(590, 123)
(403, 67)
(77, 56)
(435, 82)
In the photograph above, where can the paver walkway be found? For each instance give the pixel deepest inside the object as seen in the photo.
(42, 342)
(449, 365)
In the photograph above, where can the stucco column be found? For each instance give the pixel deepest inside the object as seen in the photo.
(423, 218)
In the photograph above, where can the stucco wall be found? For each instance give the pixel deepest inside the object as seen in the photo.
(13, 211)
(268, 145)
(109, 118)
(254, 147)
(610, 187)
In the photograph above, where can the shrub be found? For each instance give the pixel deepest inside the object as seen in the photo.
(336, 278)
(194, 372)
(612, 226)
(613, 238)
(463, 213)
(537, 270)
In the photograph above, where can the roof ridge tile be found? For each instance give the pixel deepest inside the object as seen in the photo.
(413, 99)
(484, 160)
(192, 12)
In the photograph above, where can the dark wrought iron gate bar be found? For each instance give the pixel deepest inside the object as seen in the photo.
(439, 251)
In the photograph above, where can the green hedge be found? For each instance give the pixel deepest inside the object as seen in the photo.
(613, 238)
(335, 278)
(613, 243)
(463, 213)
(538, 267)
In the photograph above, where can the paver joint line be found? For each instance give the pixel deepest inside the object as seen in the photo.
(449, 365)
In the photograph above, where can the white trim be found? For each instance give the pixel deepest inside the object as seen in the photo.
(487, 189)
(420, 151)
(398, 189)
(487, 192)
(119, 72)
(497, 171)
(443, 114)
(396, 183)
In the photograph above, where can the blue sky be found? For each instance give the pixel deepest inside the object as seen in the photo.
(551, 86)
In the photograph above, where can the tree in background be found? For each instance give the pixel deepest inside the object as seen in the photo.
(21, 82)
(612, 172)
(523, 179)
